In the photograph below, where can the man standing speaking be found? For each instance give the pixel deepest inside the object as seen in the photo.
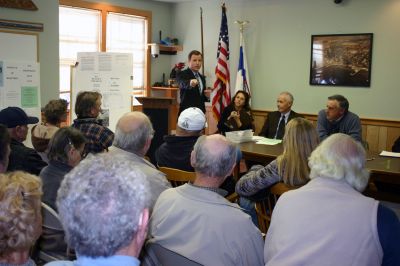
(192, 85)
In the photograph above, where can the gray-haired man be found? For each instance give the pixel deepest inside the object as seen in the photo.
(337, 118)
(196, 221)
(274, 125)
(103, 205)
(132, 139)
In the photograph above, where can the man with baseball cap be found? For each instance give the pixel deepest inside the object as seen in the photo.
(21, 157)
(175, 151)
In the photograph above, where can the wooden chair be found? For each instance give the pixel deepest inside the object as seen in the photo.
(177, 177)
(155, 254)
(264, 208)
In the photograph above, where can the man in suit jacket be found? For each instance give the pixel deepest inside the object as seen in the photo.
(192, 85)
(272, 128)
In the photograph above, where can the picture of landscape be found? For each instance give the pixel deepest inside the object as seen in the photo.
(341, 60)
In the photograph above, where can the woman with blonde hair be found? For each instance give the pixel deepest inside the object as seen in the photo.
(20, 217)
(291, 167)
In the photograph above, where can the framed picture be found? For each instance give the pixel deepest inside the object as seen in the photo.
(341, 60)
(20, 25)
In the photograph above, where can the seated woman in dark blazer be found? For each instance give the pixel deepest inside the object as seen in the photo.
(237, 115)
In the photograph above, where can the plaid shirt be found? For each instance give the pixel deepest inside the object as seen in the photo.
(98, 137)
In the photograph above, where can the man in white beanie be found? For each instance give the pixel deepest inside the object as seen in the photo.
(175, 151)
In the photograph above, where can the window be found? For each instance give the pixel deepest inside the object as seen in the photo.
(82, 29)
(125, 34)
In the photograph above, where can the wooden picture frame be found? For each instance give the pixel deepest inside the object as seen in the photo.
(341, 60)
(20, 25)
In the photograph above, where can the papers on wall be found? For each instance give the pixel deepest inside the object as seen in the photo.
(390, 154)
(19, 86)
(110, 74)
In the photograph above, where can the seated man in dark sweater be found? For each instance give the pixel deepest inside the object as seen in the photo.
(337, 118)
(175, 151)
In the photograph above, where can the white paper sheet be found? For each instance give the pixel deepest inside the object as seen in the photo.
(267, 141)
(390, 154)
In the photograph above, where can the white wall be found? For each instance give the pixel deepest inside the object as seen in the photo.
(47, 14)
(278, 48)
(48, 43)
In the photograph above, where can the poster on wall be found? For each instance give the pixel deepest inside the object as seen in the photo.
(19, 86)
(341, 60)
(109, 74)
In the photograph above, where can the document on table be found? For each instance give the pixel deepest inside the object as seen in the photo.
(266, 141)
(390, 154)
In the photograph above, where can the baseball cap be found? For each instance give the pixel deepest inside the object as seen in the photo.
(15, 116)
(192, 118)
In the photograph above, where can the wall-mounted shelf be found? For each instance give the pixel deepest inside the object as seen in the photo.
(170, 49)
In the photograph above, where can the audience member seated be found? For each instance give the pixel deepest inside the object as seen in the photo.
(87, 109)
(20, 218)
(274, 126)
(197, 222)
(290, 167)
(66, 150)
(337, 118)
(103, 205)
(133, 135)
(237, 115)
(328, 221)
(21, 157)
(5, 149)
(55, 112)
(175, 151)
(396, 145)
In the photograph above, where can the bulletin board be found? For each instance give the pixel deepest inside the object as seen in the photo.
(20, 72)
(109, 74)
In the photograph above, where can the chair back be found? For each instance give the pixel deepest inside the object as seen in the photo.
(51, 220)
(156, 255)
(177, 177)
(51, 245)
(264, 208)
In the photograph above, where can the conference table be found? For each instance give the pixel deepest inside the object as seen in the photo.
(384, 170)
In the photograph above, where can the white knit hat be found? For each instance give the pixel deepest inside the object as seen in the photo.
(192, 119)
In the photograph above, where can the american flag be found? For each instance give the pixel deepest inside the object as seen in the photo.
(221, 93)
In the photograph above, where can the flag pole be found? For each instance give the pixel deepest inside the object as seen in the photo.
(202, 40)
(241, 24)
(242, 82)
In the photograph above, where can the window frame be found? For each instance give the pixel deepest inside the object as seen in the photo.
(104, 9)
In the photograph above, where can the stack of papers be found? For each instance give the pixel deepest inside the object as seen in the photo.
(390, 154)
(240, 136)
